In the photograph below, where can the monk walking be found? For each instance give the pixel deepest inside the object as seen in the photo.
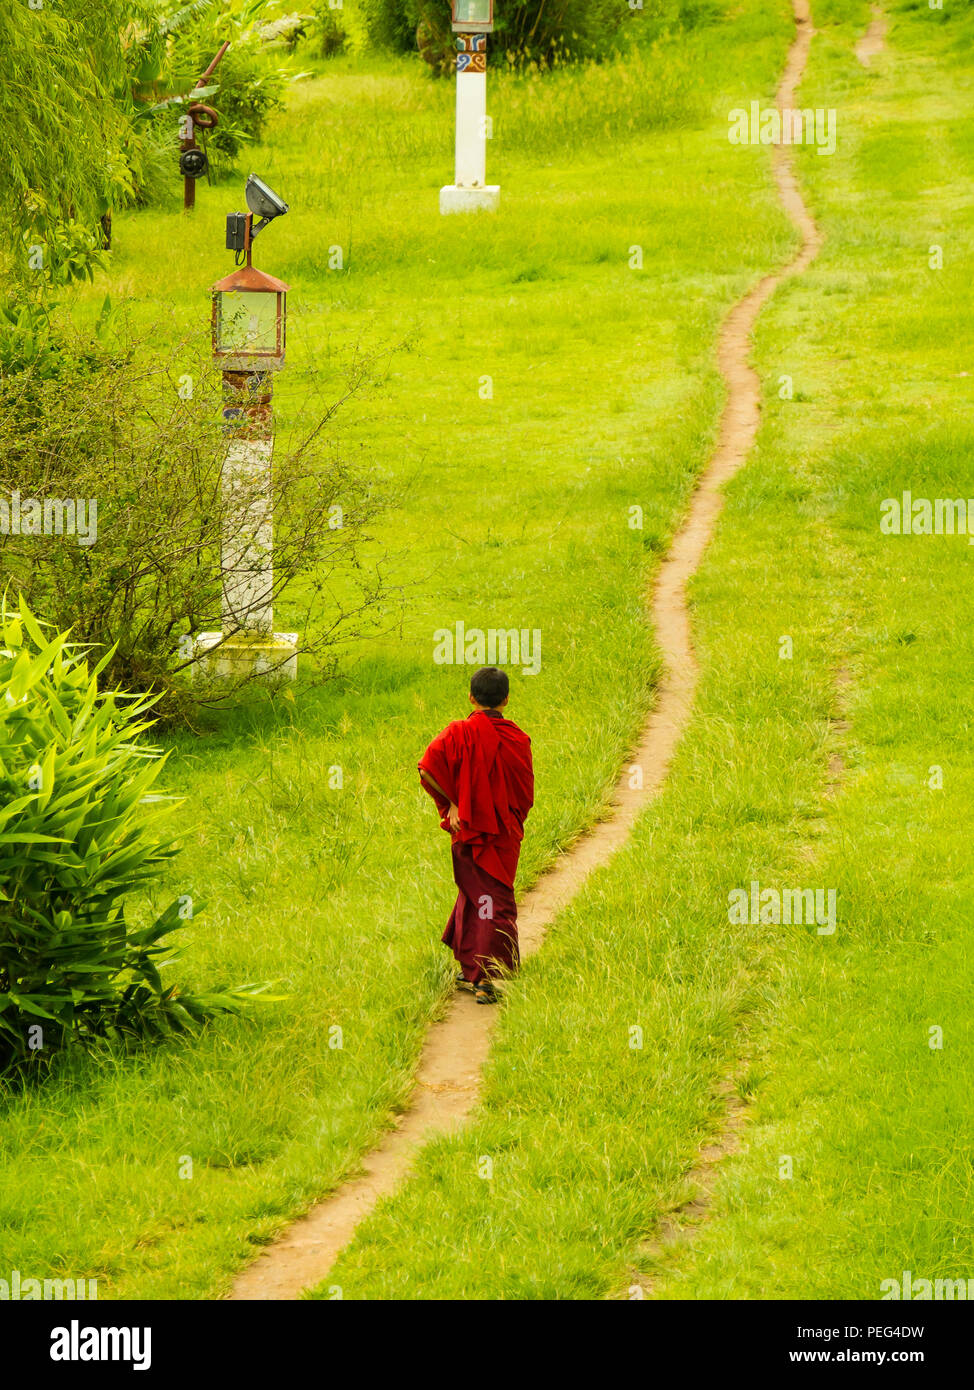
(479, 773)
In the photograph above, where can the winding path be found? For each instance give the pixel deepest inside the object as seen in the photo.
(448, 1079)
(874, 39)
(683, 1223)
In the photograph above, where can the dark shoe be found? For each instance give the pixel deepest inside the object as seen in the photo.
(485, 992)
(464, 984)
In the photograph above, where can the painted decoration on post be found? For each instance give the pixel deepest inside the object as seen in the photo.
(247, 404)
(471, 53)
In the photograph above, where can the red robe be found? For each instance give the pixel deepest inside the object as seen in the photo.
(483, 763)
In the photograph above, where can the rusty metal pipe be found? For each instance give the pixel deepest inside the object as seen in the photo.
(209, 70)
(189, 185)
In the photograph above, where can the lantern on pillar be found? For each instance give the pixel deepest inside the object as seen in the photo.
(249, 333)
(473, 16)
(249, 321)
(473, 20)
(248, 325)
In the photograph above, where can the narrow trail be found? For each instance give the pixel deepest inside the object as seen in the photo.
(874, 39)
(449, 1074)
(682, 1224)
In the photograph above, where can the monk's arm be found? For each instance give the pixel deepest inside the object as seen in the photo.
(454, 810)
(428, 777)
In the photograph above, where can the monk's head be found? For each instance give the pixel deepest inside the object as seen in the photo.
(489, 688)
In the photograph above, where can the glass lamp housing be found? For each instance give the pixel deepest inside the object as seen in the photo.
(249, 321)
(473, 16)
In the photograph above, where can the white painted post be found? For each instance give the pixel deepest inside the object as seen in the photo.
(471, 192)
(247, 550)
(471, 162)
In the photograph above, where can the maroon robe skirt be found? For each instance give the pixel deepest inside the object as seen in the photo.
(482, 930)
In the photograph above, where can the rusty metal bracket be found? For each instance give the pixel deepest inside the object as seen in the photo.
(205, 118)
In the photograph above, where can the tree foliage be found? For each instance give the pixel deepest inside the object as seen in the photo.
(60, 70)
(542, 31)
(91, 92)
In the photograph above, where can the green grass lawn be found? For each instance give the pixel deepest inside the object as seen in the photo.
(515, 513)
(874, 1115)
(827, 1036)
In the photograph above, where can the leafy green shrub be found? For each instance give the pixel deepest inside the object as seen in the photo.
(250, 89)
(35, 349)
(168, 53)
(61, 250)
(151, 156)
(78, 836)
(28, 339)
(392, 23)
(330, 28)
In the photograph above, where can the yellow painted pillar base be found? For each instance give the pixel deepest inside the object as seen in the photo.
(272, 656)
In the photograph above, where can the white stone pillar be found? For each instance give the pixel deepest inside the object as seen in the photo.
(471, 192)
(471, 162)
(248, 644)
(247, 552)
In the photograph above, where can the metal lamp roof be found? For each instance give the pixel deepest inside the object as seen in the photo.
(248, 277)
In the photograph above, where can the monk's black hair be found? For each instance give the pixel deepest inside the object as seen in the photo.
(490, 686)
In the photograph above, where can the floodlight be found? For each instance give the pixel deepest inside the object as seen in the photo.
(263, 202)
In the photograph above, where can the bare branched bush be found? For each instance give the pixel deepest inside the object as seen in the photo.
(115, 502)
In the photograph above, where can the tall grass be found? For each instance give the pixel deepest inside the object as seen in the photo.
(831, 1039)
(515, 513)
(368, 118)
